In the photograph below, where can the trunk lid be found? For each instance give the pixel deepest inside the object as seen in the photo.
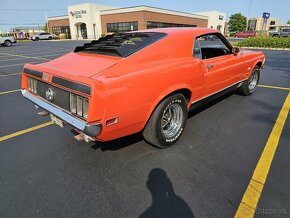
(78, 64)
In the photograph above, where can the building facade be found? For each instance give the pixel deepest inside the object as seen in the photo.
(59, 25)
(90, 21)
(216, 20)
(25, 32)
(257, 24)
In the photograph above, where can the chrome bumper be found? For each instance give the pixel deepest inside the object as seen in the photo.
(89, 129)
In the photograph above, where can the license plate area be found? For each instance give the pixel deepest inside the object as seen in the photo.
(57, 121)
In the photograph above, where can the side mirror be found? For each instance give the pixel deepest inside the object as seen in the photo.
(236, 50)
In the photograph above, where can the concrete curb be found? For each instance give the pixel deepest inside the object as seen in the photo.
(262, 48)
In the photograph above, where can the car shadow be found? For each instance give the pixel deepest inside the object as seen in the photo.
(165, 202)
(118, 143)
(198, 109)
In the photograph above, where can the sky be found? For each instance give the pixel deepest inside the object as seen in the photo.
(32, 12)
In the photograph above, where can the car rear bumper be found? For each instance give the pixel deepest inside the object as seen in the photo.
(92, 130)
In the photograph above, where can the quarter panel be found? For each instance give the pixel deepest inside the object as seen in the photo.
(134, 96)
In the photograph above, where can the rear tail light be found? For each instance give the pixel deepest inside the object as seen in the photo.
(32, 85)
(73, 103)
(79, 105)
(85, 108)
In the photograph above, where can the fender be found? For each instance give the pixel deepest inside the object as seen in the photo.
(164, 94)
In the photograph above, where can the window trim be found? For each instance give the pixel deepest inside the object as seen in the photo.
(222, 38)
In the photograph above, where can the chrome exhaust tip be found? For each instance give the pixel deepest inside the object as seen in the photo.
(79, 137)
(43, 113)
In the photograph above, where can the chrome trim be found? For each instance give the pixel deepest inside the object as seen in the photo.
(218, 91)
(68, 118)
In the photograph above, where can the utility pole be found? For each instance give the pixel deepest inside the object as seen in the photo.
(249, 13)
(46, 20)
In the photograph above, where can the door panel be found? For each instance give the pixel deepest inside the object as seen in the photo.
(222, 72)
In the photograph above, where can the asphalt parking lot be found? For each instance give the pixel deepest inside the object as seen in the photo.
(45, 172)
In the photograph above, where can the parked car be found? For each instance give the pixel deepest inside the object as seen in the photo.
(7, 40)
(142, 81)
(245, 34)
(42, 36)
(285, 32)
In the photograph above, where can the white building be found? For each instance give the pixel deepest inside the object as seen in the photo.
(216, 19)
(90, 21)
(85, 20)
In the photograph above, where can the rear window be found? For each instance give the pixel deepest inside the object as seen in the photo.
(121, 45)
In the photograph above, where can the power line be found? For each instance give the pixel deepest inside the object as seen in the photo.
(13, 9)
(21, 24)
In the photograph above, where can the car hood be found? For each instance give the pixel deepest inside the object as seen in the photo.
(77, 64)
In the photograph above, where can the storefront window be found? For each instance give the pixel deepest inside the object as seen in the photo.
(151, 25)
(61, 30)
(122, 27)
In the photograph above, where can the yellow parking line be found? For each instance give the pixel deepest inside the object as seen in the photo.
(2, 55)
(252, 195)
(12, 65)
(12, 135)
(23, 56)
(7, 92)
(15, 59)
(12, 74)
(275, 87)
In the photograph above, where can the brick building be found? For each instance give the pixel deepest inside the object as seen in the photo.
(90, 21)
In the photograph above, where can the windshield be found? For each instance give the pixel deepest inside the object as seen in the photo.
(121, 45)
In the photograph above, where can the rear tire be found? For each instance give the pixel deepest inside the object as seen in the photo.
(249, 86)
(167, 122)
(50, 38)
(7, 43)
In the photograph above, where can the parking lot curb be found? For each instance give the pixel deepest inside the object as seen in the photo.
(263, 48)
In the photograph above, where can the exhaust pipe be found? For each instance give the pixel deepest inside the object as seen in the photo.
(82, 136)
(79, 137)
(43, 113)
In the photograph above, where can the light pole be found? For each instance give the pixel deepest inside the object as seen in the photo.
(46, 20)
(249, 13)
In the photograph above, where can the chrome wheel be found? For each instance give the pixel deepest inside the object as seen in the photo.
(171, 120)
(253, 80)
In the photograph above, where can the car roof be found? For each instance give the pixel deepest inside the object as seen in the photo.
(182, 30)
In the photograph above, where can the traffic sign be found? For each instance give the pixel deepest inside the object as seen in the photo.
(266, 15)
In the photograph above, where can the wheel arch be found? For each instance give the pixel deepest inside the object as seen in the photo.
(259, 64)
(184, 90)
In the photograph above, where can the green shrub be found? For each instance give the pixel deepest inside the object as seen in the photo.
(265, 42)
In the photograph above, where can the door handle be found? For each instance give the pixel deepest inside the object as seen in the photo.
(210, 66)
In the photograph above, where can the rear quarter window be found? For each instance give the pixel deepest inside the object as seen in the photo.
(121, 45)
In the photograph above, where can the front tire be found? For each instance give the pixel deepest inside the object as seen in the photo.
(250, 85)
(167, 122)
(7, 43)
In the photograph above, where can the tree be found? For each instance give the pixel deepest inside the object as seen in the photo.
(288, 22)
(237, 22)
(45, 27)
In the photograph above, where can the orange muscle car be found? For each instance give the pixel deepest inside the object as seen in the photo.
(139, 81)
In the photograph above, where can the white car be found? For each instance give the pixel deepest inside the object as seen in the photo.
(42, 36)
(7, 40)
